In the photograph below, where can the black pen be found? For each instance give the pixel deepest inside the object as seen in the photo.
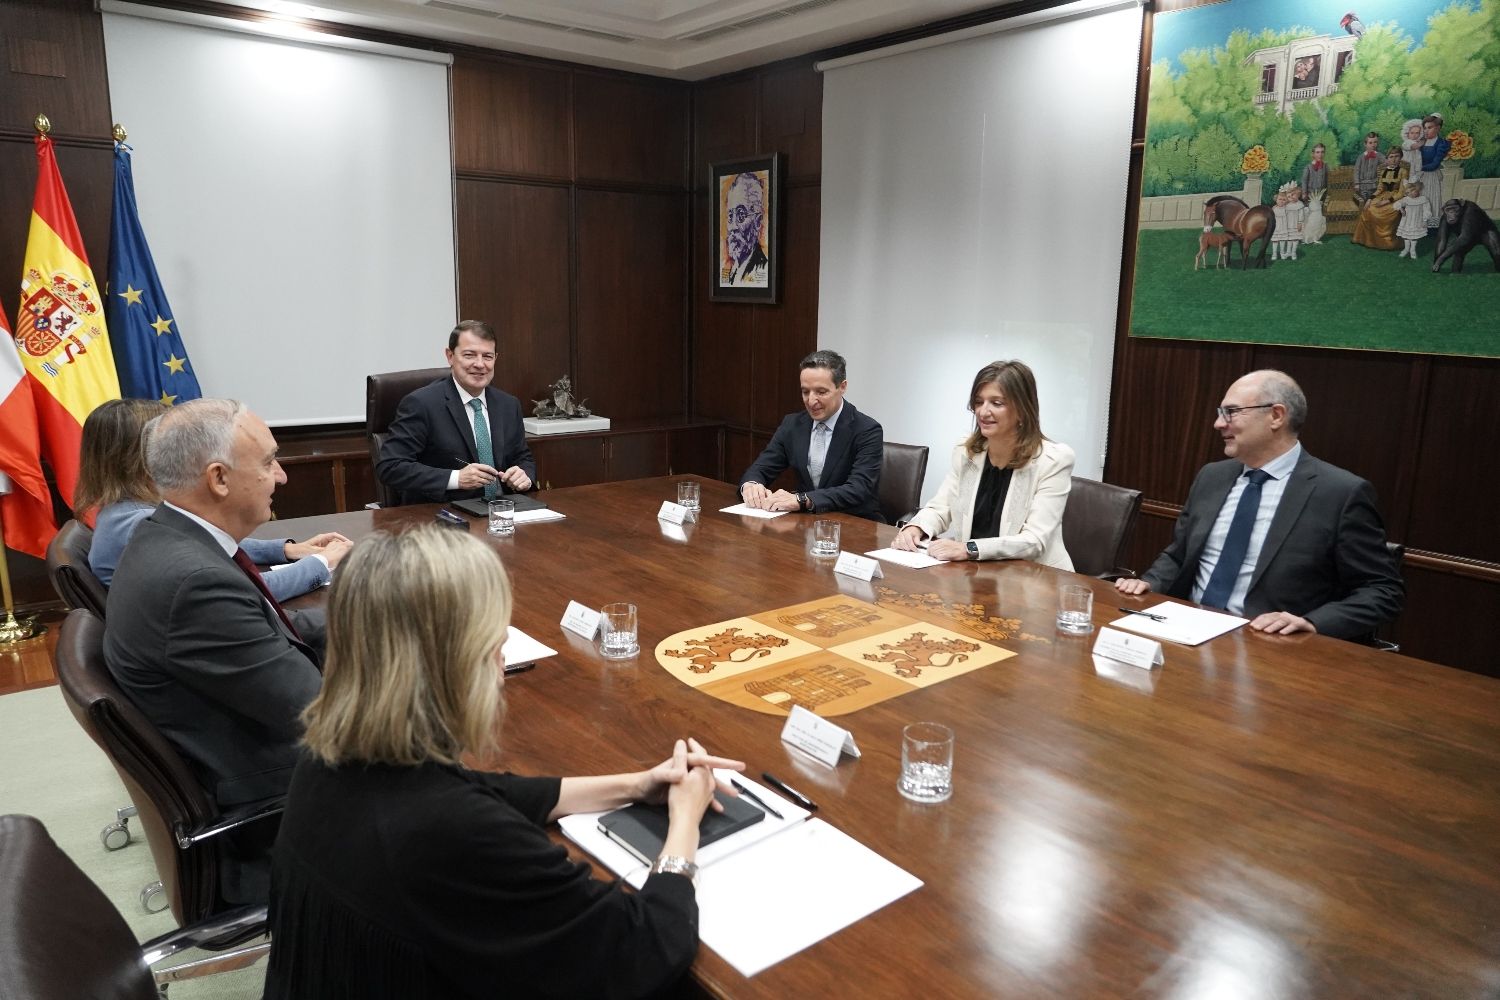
(1144, 614)
(779, 785)
(518, 668)
(747, 793)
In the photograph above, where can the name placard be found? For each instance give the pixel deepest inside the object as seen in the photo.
(673, 512)
(816, 736)
(1135, 650)
(859, 567)
(581, 620)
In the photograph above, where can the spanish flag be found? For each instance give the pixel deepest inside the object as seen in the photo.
(26, 507)
(60, 330)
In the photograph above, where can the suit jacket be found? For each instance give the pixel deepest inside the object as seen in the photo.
(851, 469)
(439, 882)
(1324, 557)
(1030, 520)
(195, 647)
(432, 435)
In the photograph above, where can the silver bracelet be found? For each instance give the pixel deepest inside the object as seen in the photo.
(674, 864)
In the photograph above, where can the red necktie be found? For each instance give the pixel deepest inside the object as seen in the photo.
(243, 562)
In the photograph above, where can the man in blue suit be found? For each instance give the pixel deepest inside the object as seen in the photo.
(834, 450)
(459, 438)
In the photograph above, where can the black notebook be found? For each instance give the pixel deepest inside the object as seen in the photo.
(481, 507)
(642, 829)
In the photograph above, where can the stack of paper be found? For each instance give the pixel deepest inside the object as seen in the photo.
(1180, 623)
(749, 511)
(912, 560)
(537, 516)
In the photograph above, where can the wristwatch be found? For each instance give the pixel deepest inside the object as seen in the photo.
(802, 502)
(674, 864)
(973, 548)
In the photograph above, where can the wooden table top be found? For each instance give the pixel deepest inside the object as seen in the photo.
(1260, 817)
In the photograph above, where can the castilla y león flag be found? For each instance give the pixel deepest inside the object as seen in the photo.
(27, 508)
(60, 332)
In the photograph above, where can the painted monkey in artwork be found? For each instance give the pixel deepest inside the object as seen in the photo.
(1464, 225)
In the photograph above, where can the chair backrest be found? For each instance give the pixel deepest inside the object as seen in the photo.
(60, 937)
(1096, 523)
(900, 492)
(383, 394)
(68, 568)
(159, 782)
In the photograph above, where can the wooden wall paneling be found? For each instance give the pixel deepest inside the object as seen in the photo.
(630, 130)
(1444, 617)
(791, 120)
(724, 124)
(88, 175)
(563, 461)
(511, 118)
(636, 456)
(359, 483)
(697, 451)
(52, 61)
(722, 334)
(513, 245)
(786, 333)
(740, 449)
(631, 303)
(1457, 480)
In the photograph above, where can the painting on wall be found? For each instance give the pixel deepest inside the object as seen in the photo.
(1322, 175)
(746, 230)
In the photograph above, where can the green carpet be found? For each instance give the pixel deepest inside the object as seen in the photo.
(50, 769)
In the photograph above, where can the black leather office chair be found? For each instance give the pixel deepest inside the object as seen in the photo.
(179, 817)
(62, 939)
(383, 394)
(900, 490)
(68, 568)
(1096, 524)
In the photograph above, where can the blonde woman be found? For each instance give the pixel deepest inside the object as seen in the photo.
(400, 872)
(1005, 493)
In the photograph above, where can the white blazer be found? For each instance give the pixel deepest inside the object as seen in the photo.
(1030, 521)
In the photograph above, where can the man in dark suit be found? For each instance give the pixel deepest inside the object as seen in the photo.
(193, 637)
(451, 439)
(835, 451)
(1292, 543)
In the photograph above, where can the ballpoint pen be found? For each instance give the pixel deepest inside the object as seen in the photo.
(1143, 614)
(779, 785)
(747, 793)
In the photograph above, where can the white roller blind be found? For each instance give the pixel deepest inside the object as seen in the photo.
(299, 203)
(973, 210)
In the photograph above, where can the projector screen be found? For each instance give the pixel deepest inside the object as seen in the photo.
(298, 199)
(973, 210)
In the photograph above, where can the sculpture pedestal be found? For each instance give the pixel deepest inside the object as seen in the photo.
(540, 427)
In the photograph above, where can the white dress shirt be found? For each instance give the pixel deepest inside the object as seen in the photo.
(1280, 470)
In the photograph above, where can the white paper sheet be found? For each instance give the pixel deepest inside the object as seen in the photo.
(537, 516)
(912, 560)
(749, 511)
(521, 648)
(1184, 624)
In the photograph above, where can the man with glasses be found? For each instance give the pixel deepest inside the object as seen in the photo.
(1271, 533)
(459, 438)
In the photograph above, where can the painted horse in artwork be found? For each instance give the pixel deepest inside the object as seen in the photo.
(1244, 222)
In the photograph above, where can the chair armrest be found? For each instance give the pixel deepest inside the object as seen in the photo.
(229, 821)
(217, 932)
(1118, 573)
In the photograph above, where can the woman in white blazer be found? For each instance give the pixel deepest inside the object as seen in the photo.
(1005, 494)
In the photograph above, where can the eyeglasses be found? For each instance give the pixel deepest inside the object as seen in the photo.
(1227, 413)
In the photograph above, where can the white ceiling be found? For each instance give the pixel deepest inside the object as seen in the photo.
(683, 39)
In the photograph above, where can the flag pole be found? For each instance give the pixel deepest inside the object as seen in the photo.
(13, 629)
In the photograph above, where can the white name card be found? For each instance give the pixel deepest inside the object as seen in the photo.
(581, 620)
(674, 512)
(815, 735)
(1135, 650)
(859, 567)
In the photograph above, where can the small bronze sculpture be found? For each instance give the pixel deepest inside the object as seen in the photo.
(561, 406)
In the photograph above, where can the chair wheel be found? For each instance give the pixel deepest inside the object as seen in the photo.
(153, 899)
(115, 836)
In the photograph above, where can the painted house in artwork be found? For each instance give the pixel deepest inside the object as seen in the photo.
(1302, 70)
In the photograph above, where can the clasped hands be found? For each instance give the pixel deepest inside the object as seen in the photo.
(331, 545)
(1273, 622)
(686, 779)
(939, 548)
(477, 475)
(757, 496)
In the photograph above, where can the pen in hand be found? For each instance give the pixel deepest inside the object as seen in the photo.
(747, 793)
(1143, 614)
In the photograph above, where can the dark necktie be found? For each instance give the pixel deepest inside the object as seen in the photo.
(482, 443)
(243, 562)
(1236, 543)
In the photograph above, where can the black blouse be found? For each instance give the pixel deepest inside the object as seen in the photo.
(994, 484)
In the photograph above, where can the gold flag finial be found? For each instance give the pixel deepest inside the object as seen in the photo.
(118, 132)
(42, 124)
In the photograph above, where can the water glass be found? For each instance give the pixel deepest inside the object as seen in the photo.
(687, 496)
(825, 539)
(926, 762)
(619, 634)
(502, 517)
(1075, 609)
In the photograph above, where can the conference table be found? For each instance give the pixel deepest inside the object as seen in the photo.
(1258, 817)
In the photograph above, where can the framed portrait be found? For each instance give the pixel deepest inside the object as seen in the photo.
(746, 229)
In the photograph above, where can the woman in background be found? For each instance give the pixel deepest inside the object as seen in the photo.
(1005, 493)
(399, 872)
(113, 482)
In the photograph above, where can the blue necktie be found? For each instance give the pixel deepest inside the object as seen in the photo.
(482, 443)
(1236, 543)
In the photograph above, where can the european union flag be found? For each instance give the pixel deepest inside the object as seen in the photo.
(149, 355)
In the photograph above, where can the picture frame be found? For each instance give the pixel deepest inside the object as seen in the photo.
(745, 205)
